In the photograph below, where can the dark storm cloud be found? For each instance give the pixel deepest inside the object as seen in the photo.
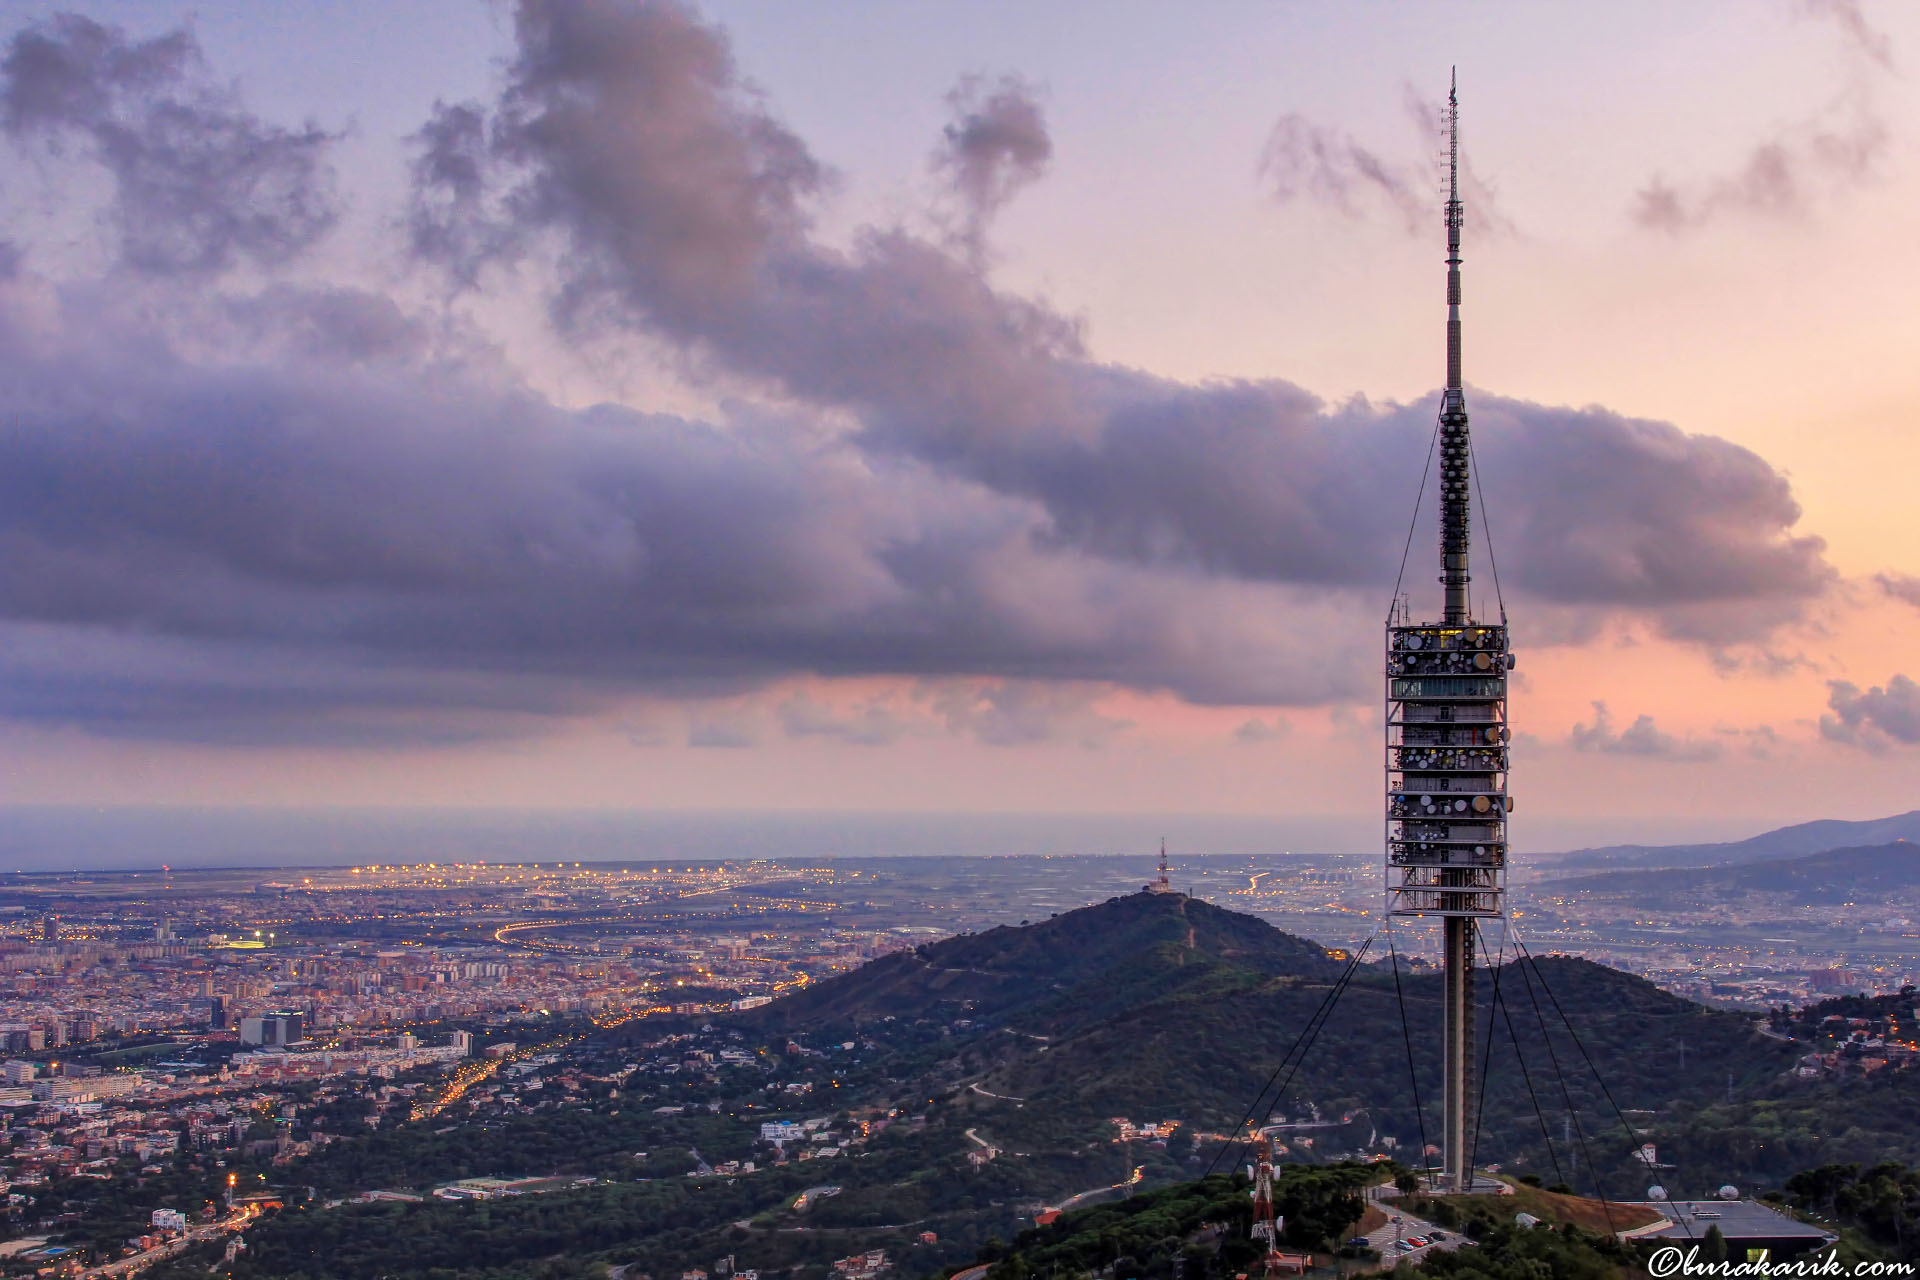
(1873, 718)
(198, 182)
(336, 517)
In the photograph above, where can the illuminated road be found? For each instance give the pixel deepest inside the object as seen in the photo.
(161, 1252)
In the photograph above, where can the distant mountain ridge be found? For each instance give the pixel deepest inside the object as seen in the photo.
(1832, 876)
(1786, 842)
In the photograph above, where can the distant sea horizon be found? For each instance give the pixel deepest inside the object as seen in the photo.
(51, 838)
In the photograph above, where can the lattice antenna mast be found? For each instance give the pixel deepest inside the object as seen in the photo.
(1456, 511)
(1267, 1223)
(1161, 883)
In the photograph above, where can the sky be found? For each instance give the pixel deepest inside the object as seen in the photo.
(950, 408)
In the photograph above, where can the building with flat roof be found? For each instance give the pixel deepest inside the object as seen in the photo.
(1748, 1226)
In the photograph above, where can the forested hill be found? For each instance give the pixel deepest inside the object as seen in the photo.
(1069, 970)
(1165, 1006)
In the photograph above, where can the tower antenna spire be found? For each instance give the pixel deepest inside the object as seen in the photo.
(1453, 138)
(1455, 513)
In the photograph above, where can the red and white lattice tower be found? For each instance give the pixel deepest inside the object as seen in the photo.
(1266, 1223)
(1161, 883)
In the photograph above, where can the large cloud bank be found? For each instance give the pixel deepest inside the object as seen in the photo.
(234, 502)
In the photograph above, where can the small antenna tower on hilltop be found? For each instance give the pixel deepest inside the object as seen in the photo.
(1161, 883)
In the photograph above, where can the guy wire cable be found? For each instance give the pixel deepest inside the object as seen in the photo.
(1406, 1034)
(1346, 980)
(1566, 1095)
(1333, 993)
(1414, 522)
(1486, 1056)
(1546, 1135)
(1633, 1138)
(1254, 1106)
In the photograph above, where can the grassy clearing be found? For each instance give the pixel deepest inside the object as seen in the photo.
(1548, 1206)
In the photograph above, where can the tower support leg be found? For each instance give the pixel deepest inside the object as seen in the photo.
(1457, 1154)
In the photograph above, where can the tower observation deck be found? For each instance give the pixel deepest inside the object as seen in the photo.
(1446, 735)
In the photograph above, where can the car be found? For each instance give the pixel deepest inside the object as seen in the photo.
(1437, 1235)
(1418, 1242)
(1359, 1242)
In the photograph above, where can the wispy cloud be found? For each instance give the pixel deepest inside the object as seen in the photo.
(1866, 40)
(995, 144)
(1257, 731)
(1641, 738)
(1303, 161)
(1020, 712)
(1900, 586)
(1306, 161)
(1805, 162)
(199, 183)
(873, 722)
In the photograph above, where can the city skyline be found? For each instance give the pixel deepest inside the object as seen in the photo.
(612, 406)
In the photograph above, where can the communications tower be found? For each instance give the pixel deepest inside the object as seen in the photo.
(1161, 884)
(1446, 720)
(1267, 1224)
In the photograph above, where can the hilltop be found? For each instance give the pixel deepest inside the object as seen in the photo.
(1153, 1006)
(1070, 970)
(1785, 842)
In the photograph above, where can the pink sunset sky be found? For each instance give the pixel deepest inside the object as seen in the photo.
(950, 407)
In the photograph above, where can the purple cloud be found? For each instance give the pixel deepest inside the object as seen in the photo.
(1874, 718)
(199, 183)
(304, 511)
(1641, 738)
